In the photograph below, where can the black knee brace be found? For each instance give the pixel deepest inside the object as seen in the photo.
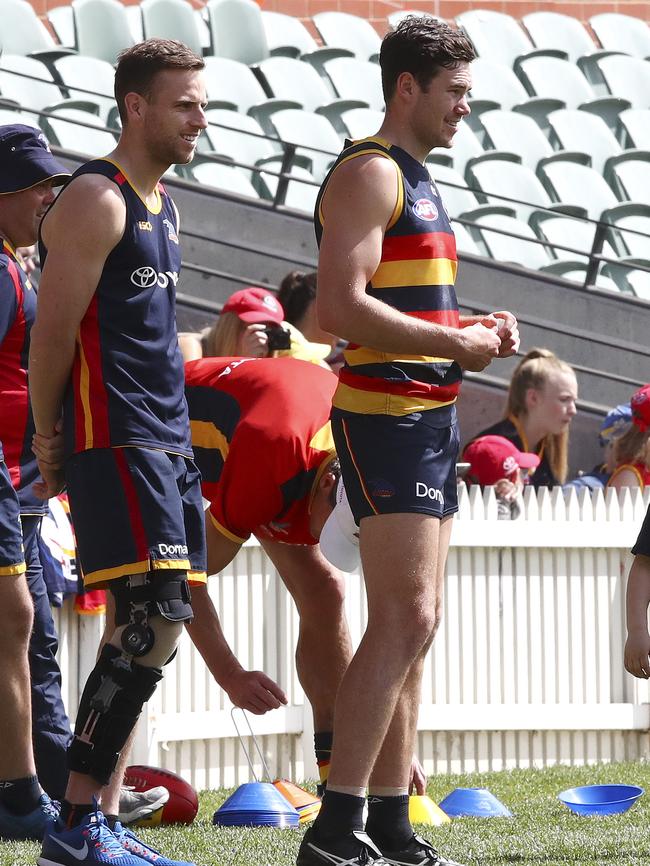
(110, 706)
(165, 594)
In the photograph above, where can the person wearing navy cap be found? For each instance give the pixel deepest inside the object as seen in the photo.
(28, 175)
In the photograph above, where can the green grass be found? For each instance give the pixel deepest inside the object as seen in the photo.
(543, 831)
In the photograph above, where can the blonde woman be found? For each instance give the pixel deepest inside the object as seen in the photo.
(247, 319)
(632, 450)
(541, 405)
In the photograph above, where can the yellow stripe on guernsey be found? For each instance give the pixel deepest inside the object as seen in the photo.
(323, 440)
(425, 272)
(370, 151)
(378, 403)
(84, 393)
(19, 568)
(206, 435)
(363, 355)
(222, 529)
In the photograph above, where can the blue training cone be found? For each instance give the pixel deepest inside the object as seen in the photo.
(474, 803)
(256, 804)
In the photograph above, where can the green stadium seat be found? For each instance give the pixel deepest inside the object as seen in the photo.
(227, 178)
(88, 79)
(315, 136)
(495, 86)
(61, 19)
(287, 36)
(341, 30)
(22, 31)
(561, 32)
(505, 128)
(631, 228)
(102, 28)
(627, 78)
(624, 33)
(237, 30)
(499, 37)
(628, 174)
(30, 84)
(239, 137)
(171, 19)
(586, 133)
(355, 79)
(571, 182)
(634, 128)
(78, 131)
(511, 240)
(291, 79)
(553, 78)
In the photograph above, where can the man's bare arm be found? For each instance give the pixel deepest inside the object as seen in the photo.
(79, 233)
(357, 206)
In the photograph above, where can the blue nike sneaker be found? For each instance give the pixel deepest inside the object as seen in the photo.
(29, 826)
(90, 843)
(130, 842)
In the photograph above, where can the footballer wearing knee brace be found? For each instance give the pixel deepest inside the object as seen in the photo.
(104, 355)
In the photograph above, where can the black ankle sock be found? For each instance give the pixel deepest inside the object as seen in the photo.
(339, 814)
(74, 813)
(111, 820)
(388, 822)
(20, 796)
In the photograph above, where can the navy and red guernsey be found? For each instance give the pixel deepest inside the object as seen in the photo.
(262, 440)
(416, 276)
(17, 314)
(127, 382)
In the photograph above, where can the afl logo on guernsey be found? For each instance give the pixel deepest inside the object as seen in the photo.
(425, 209)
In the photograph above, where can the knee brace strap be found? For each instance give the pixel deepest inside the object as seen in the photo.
(164, 593)
(110, 705)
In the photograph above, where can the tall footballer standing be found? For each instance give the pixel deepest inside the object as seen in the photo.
(104, 354)
(386, 284)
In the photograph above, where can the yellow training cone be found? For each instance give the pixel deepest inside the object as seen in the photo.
(422, 810)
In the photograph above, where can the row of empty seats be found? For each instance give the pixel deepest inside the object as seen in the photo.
(238, 29)
(578, 146)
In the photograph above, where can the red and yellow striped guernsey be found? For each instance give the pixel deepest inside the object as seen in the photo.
(416, 275)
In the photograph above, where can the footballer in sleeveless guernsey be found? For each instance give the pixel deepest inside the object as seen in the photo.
(380, 395)
(262, 439)
(126, 425)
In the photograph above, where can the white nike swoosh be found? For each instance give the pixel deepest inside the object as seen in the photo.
(78, 853)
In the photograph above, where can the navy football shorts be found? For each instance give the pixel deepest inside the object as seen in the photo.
(136, 510)
(399, 464)
(12, 557)
(642, 545)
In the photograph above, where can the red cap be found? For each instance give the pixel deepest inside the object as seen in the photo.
(640, 403)
(495, 457)
(255, 306)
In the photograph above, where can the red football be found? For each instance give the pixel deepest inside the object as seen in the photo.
(183, 803)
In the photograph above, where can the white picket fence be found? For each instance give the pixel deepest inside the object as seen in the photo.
(526, 669)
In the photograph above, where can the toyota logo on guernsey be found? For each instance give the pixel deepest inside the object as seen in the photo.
(146, 277)
(425, 209)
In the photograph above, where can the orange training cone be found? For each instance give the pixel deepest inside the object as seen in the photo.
(306, 804)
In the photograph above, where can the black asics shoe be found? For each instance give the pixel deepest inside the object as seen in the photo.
(353, 849)
(418, 852)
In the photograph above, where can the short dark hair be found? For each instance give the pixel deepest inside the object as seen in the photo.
(297, 291)
(421, 45)
(138, 66)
